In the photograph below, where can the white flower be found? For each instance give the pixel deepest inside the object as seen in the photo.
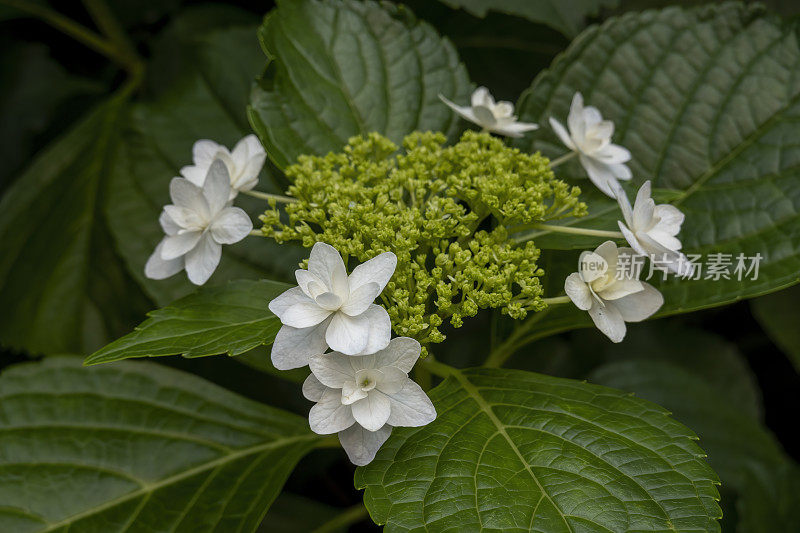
(197, 223)
(244, 163)
(496, 117)
(590, 136)
(330, 309)
(651, 229)
(611, 291)
(363, 397)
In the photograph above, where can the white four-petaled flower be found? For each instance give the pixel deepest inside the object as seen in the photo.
(495, 117)
(590, 136)
(361, 398)
(610, 290)
(651, 229)
(330, 309)
(196, 224)
(244, 162)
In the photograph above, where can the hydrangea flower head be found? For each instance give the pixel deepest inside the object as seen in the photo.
(436, 208)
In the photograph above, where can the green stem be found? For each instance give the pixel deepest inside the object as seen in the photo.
(550, 228)
(268, 196)
(257, 233)
(563, 159)
(113, 30)
(501, 354)
(74, 30)
(557, 300)
(439, 369)
(346, 518)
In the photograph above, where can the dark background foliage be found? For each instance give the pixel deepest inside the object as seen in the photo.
(48, 81)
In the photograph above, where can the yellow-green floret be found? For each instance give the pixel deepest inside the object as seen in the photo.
(445, 211)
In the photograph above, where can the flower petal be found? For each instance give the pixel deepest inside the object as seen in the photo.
(411, 406)
(670, 218)
(592, 266)
(481, 97)
(313, 389)
(205, 151)
(576, 120)
(373, 411)
(578, 291)
(304, 314)
(380, 329)
(464, 111)
(327, 265)
(185, 194)
(641, 305)
(231, 225)
(328, 301)
(175, 246)
(378, 270)
(195, 174)
(620, 289)
(361, 298)
(600, 173)
(348, 334)
(608, 319)
(293, 346)
(562, 133)
(285, 300)
(202, 260)
(632, 240)
(329, 415)
(391, 380)
(159, 268)
(332, 369)
(401, 352)
(361, 445)
(305, 278)
(167, 224)
(187, 218)
(624, 203)
(217, 187)
(514, 129)
(351, 393)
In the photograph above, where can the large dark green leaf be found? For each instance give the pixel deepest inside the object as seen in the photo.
(517, 451)
(231, 318)
(344, 68)
(567, 17)
(746, 456)
(207, 102)
(779, 315)
(137, 445)
(60, 280)
(707, 102)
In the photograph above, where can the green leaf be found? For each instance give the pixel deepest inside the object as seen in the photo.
(208, 102)
(707, 104)
(231, 319)
(567, 17)
(744, 454)
(60, 279)
(517, 451)
(137, 445)
(339, 69)
(779, 315)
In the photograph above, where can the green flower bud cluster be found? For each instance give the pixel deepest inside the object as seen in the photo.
(445, 211)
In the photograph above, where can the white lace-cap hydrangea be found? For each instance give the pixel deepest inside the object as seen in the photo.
(197, 223)
(610, 290)
(361, 398)
(331, 309)
(244, 162)
(590, 136)
(495, 117)
(651, 229)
